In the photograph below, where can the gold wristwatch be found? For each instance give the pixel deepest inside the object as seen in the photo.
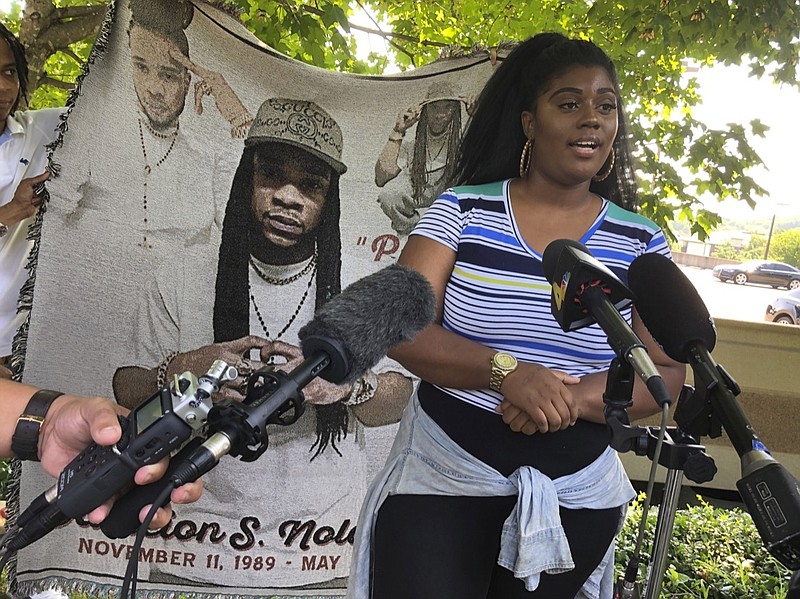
(503, 364)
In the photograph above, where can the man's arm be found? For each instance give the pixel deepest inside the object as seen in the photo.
(393, 391)
(386, 167)
(69, 425)
(13, 399)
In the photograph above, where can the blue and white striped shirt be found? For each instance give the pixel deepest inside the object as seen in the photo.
(498, 295)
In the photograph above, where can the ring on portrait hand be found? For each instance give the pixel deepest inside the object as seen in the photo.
(205, 88)
(245, 367)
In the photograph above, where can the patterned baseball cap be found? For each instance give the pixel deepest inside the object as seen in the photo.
(441, 89)
(299, 123)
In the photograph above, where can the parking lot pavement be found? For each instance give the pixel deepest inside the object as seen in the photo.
(728, 300)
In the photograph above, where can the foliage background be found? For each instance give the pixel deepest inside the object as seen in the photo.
(714, 553)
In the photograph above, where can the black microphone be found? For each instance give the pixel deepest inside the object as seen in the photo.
(673, 312)
(670, 307)
(584, 292)
(676, 316)
(348, 335)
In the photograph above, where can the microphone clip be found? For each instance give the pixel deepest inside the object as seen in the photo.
(698, 417)
(268, 400)
(618, 397)
(590, 284)
(681, 451)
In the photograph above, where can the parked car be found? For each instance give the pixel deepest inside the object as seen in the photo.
(784, 309)
(776, 274)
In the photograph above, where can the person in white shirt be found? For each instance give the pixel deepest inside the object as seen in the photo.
(23, 158)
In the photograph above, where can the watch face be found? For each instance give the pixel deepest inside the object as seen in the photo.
(3, 229)
(505, 360)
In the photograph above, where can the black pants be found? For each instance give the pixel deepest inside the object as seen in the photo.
(438, 547)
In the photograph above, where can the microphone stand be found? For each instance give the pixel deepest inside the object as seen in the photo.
(770, 493)
(794, 586)
(679, 452)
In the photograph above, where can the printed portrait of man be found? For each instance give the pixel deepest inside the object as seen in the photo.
(162, 173)
(413, 172)
(163, 70)
(162, 75)
(279, 260)
(161, 83)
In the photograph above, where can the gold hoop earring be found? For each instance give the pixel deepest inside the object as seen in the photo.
(602, 176)
(525, 158)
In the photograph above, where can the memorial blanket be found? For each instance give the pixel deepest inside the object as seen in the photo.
(210, 195)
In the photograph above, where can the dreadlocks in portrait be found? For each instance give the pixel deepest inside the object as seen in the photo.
(413, 172)
(279, 260)
(281, 225)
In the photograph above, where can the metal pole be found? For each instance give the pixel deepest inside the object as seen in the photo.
(664, 524)
(769, 237)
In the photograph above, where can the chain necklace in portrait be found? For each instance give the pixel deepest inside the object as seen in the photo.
(148, 169)
(432, 141)
(311, 268)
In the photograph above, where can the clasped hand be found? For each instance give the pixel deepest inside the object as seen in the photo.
(239, 353)
(538, 399)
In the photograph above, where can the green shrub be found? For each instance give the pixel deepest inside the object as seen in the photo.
(5, 472)
(714, 553)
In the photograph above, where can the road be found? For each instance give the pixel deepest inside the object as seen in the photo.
(728, 300)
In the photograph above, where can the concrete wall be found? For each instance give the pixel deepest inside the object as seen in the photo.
(764, 359)
(700, 261)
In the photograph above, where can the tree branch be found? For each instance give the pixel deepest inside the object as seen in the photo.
(290, 10)
(80, 11)
(46, 80)
(73, 56)
(61, 33)
(387, 35)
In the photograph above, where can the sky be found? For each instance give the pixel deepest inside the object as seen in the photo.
(729, 95)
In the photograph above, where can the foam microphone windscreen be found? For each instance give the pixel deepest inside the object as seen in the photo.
(372, 315)
(670, 306)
